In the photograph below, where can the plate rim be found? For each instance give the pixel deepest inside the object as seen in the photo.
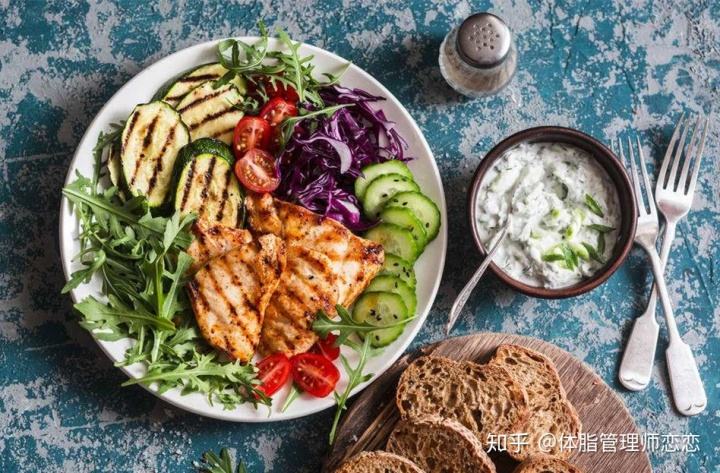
(217, 412)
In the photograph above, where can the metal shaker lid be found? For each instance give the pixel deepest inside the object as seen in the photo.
(483, 40)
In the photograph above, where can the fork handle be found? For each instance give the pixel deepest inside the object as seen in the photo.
(636, 367)
(687, 387)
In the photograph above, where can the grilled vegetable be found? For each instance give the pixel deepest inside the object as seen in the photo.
(174, 91)
(151, 139)
(207, 185)
(210, 112)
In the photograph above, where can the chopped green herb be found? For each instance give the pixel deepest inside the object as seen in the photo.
(600, 228)
(593, 205)
(593, 252)
(601, 243)
(212, 463)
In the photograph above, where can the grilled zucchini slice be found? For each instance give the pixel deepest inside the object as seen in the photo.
(151, 140)
(174, 91)
(210, 112)
(207, 186)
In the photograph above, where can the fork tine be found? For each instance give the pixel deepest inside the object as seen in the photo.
(668, 154)
(678, 156)
(635, 178)
(692, 145)
(698, 159)
(646, 179)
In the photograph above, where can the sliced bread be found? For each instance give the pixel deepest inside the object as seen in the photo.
(543, 464)
(484, 398)
(378, 462)
(550, 411)
(439, 446)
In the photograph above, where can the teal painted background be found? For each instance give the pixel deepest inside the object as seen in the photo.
(603, 67)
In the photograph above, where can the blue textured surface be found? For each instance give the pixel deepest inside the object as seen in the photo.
(603, 67)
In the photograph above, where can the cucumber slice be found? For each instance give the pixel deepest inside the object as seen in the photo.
(394, 239)
(376, 170)
(423, 208)
(406, 218)
(381, 309)
(396, 266)
(382, 188)
(397, 286)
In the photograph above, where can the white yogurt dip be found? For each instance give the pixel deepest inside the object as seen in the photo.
(563, 210)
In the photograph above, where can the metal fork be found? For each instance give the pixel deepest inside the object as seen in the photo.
(674, 199)
(687, 388)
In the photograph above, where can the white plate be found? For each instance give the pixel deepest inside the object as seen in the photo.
(428, 268)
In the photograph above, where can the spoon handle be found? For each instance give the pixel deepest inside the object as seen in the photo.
(464, 295)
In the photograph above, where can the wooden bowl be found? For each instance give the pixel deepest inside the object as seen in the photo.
(616, 171)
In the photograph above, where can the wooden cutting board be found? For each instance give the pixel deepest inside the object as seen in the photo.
(368, 423)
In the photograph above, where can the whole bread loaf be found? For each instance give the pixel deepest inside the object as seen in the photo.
(439, 446)
(378, 462)
(550, 411)
(543, 464)
(486, 399)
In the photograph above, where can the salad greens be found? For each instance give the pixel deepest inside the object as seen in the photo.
(140, 259)
(262, 67)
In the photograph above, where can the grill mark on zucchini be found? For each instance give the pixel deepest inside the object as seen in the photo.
(188, 185)
(202, 99)
(209, 118)
(208, 178)
(200, 78)
(221, 210)
(222, 132)
(131, 126)
(147, 141)
(159, 163)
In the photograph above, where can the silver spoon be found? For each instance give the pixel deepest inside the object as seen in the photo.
(467, 290)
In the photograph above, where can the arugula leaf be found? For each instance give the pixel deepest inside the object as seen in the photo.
(98, 315)
(600, 228)
(288, 125)
(212, 463)
(355, 378)
(292, 395)
(83, 275)
(594, 207)
(346, 326)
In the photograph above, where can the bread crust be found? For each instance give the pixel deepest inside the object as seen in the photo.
(438, 444)
(467, 392)
(549, 406)
(378, 462)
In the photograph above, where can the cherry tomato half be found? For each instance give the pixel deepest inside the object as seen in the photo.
(326, 347)
(277, 110)
(250, 132)
(256, 171)
(273, 373)
(314, 374)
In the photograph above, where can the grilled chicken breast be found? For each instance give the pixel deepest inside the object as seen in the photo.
(326, 265)
(231, 292)
(213, 241)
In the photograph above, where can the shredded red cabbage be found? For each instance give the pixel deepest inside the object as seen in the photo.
(323, 157)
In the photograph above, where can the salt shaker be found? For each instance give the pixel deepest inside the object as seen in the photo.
(478, 58)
